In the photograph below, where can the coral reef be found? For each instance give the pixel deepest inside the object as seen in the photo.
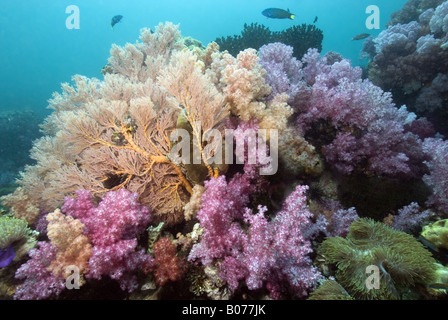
(112, 134)
(410, 217)
(93, 240)
(437, 178)
(412, 10)
(74, 248)
(357, 124)
(120, 201)
(40, 282)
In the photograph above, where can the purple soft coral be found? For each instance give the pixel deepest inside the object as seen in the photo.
(438, 178)
(410, 217)
(222, 204)
(113, 227)
(277, 251)
(370, 130)
(273, 253)
(284, 72)
(368, 124)
(40, 283)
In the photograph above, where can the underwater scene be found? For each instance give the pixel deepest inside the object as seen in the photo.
(224, 150)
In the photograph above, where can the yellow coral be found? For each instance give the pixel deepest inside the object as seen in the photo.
(437, 234)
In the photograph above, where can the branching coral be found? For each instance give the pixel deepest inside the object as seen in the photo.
(300, 37)
(411, 59)
(244, 83)
(353, 122)
(410, 217)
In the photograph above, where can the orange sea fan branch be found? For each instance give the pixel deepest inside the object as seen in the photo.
(155, 159)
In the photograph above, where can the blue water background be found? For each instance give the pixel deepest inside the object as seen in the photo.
(38, 52)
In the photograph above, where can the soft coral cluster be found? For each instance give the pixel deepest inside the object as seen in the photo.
(368, 131)
(272, 254)
(40, 282)
(437, 179)
(98, 240)
(113, 227)
(74, 248)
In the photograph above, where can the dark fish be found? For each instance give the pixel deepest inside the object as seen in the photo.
(361, 36)
(276, 13)
(115, 20)
(315, 20)
(428, 243)
(439, 286)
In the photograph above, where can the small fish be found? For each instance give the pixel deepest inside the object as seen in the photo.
(429, 244)
(276, 13)
(315, 20)
(439, 286)
(361, 36)
(115, 20)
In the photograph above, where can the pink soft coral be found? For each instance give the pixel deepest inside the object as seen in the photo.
(361, 128)
(113, 227)
(40, 282)
(273, 253)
